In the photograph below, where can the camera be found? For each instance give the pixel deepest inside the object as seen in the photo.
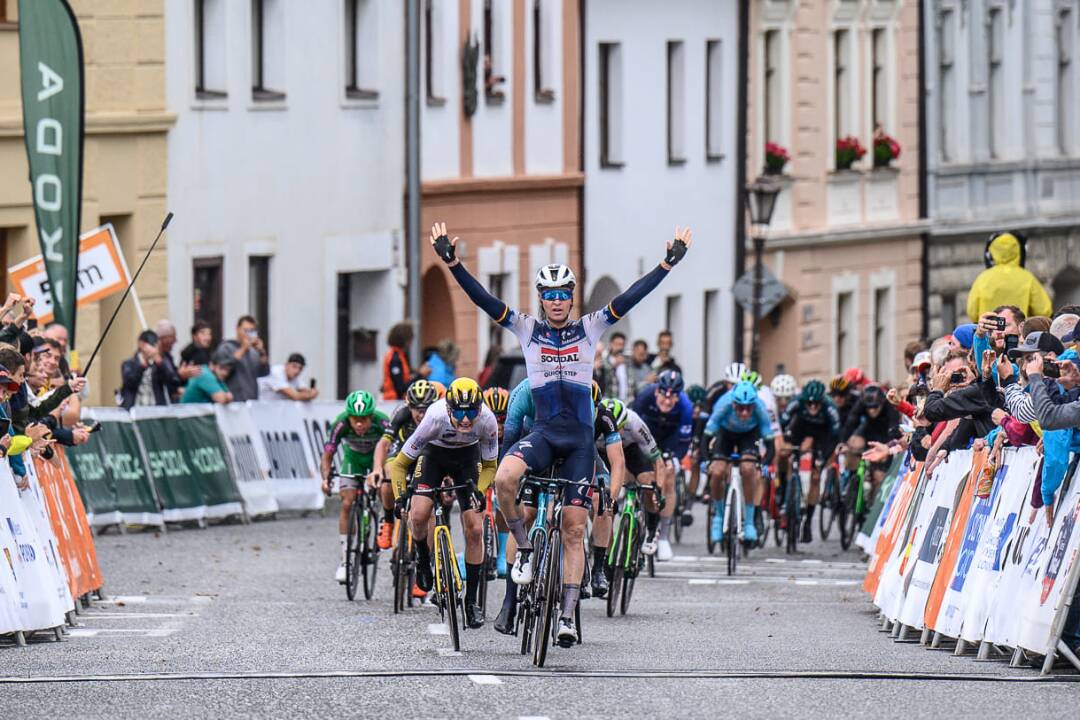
(957, 377)
(1011, 341)
(999, 322)
(1051, 369)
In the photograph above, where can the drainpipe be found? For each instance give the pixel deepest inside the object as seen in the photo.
(582, 96)
(412, 169)
(740, 165)
(924, 174)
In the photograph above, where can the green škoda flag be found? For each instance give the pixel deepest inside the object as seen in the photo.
(51, 69)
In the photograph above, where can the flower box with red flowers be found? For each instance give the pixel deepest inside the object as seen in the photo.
(848, 151)
(776, 157)
(886, 149)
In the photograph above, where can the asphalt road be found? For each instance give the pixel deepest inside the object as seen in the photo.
(246, 621)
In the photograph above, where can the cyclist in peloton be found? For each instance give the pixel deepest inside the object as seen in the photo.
(871, 420)
(844, 396)
(519, 418)
(813, 425)
(498, 400)
(559, 355)
(668, 414)
(458, 438)
(784, 389)
(419, 396)
(359, 427)
(696, 394)
(737, 422)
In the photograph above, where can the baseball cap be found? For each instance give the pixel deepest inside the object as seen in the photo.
(922, 359)
(1072, 336)
(1038, 342)
(965, 335)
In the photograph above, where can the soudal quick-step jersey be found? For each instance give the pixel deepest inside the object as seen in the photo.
(559, 361)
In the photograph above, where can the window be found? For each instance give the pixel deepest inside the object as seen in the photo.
(948, 310)
(879, 111)
(711, 334)
(209, 49)
(3, 11)
(610, 105)
(266, 45)
(206, 294)
(676, 103)
(841, 84)
(432, 51)
(1065, 99)
(259, 293)
(946, 80)
(845, 331)
(492, 79)
(673, 316)
(360, 50)
(771, 110)
(714, 119)
(995, 89)
(882, 333)
(543, 93)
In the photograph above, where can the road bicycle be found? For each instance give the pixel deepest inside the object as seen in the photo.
(539, 601)
(403, 562)
(491, 548)
(625, 559)
(361, 550)
(831, 508)
(852, 485)
(681, 517)
(734, 508)
(449, 588)
(793, 498)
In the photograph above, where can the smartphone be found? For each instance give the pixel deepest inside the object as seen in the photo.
(253, 334)
(1051, 369)
(1011, 341)
(5, 425)
(312, 383)
(999, 322)
(95, 427)
(956, 378)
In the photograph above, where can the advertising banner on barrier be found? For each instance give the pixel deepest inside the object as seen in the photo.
(251, 466)
(1042, 610)
(41, 594)
(953, 540)
(897, 573)
(186, 458)
(111, 470)
(1020, 472)
(319, 419)
(866, 536)
(69, 524)
(894, 525)
(294, 469)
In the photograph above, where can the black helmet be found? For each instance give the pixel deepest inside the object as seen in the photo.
(873, 396)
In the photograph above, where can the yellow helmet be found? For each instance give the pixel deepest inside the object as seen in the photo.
(464, 394)
(497, 399)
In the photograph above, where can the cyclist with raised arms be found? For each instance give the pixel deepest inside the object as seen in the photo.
(359, 428)
(737, 422)
(559, 355)
(458, 438)
(669, 415)
(419, 396)
(813, 425)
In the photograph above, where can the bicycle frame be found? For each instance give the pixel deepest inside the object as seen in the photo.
(629, 513)
(442, 529)
(735, 495)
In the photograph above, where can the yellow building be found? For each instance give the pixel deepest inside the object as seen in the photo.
(124, 179)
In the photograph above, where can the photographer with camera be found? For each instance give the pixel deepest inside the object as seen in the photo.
(251, 360)
(958, 393)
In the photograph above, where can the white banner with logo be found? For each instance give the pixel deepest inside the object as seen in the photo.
(894, 578)
(251, 466)
(294, 469)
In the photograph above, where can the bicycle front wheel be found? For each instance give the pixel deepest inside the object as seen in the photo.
(827, 506)
(369, 552)
(491, 551)
(793, 514)
(447, 589)
(352, 552)
(617, 564)
(528, 595)
(680, 506)
(710, 513)
(633, 568)
(732, 536)
(849, 519)
(399, 563)
(551, 583)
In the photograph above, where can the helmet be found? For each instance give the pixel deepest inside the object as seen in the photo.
(873, 396)
(752, 377)
(596, 393)
(856, 377)
(784, 386)
(421, 394)
(617, 410)
(464, 394)
(360, 403)
(839, 385)
(555, 276)
(697, 394)
(734, 372)
(670, 381)
(813, 391)
(497, 399)
(440, 389)
(744, 393)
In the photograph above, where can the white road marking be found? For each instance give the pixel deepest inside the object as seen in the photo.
(732, 581)
(81, 632)
(532, 717)
(702, 581)
(438, 629)
(485, 679)
(809, 561)
(447, 652)
(776, 560)
(684, 558)
(846, 582)
(806, 582)
(112, 616)
(127, 599)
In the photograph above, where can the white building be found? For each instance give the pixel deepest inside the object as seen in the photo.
(660, 151)
(286, 174)
(1003, 143)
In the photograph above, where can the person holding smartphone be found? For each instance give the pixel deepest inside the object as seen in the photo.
(251, 360)
(957, 392)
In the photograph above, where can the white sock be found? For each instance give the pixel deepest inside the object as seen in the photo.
(344, 542)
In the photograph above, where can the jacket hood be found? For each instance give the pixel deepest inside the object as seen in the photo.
(1005, 249)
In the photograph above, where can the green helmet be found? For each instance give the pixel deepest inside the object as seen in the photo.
(813, 391)
(617, 410)
(697, 394)
(360, 403)
(752, 377)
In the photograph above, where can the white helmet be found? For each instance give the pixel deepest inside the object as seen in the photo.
(734, 372)
(784, 386)
(555, 276)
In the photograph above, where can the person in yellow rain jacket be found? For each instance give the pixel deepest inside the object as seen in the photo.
(1006, 282)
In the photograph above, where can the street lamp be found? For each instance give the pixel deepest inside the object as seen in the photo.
(760, 202)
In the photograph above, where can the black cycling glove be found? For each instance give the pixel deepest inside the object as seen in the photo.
(675, 253)
(444, 249)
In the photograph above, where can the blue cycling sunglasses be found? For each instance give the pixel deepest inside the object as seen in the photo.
(465, 414)
(556, 294)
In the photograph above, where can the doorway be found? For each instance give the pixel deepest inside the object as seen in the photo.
(207, 292)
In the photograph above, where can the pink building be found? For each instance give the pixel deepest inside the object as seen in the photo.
(845, 240)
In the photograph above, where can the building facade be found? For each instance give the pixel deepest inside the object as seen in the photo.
(500, 158)
(124, 178)
(845, 241)
(1003, 143)
(285, 172)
